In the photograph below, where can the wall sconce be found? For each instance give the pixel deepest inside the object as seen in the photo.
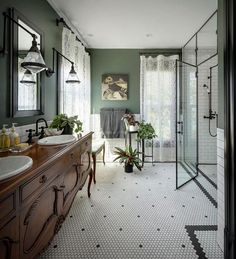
(33, 61)
(72, 77)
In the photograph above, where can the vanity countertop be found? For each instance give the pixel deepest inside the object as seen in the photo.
(42, 157)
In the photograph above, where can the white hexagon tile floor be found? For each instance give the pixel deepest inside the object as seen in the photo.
(139, 215)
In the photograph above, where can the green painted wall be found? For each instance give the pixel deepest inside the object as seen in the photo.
(221, 36)
(42, 15)
(118, 61)
(115, 61)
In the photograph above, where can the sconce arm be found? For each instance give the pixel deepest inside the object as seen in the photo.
(51, 71)
(10, 18)
(6, 16)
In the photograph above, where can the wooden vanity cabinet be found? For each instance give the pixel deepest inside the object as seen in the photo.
(9, 230)
(44, 201)
(9, 239)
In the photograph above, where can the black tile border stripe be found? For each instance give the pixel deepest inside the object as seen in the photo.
(208, 179)
(193, 237)
(211, 199)
(207, 194)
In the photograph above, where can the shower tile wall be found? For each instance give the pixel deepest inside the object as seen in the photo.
(220, 188)
(207, 143)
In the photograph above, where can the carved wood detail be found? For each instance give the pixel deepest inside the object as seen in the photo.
(75, 167)
(59, 224)
(7, 243)
(31, 216)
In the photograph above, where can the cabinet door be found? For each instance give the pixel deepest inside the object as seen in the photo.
(9, 240)
(40, 220)
(71, 186)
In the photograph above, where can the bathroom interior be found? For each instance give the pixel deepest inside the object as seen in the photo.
(54, 207)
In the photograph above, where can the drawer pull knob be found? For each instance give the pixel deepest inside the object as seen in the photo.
(43, 179)
(72, 155)
(62, 186)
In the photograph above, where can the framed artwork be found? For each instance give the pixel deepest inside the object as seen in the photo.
(114, 87)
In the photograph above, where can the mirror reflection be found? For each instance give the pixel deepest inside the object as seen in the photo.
(28, 83)
(27, 87)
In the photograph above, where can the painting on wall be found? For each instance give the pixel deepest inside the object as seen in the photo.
(114, 87)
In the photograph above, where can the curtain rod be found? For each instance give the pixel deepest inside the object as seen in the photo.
(159, 53)
(61, 20)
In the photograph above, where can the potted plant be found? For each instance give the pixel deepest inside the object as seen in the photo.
(68, 124)
(129, 157)
(130, 122)
(146, 131)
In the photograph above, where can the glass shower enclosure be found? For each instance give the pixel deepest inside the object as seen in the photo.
(201, 48)
(186, 116)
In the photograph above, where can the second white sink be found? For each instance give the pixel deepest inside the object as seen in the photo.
(56, 140)
(13, 165)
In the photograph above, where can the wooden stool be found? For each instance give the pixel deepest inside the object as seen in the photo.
(96, 149)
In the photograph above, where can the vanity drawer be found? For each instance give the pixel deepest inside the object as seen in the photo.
(7, 205)
(46, 176)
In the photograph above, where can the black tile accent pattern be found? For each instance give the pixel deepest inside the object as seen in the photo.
(208, 179)
(211, 199)
(197, 246)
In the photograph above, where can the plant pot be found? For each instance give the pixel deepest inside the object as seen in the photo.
(67, 130)
(128, 168)
(133, 127)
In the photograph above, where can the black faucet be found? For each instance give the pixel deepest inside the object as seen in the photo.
(30, 136)
(37, 126)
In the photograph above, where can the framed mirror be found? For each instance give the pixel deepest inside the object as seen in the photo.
(27, 97)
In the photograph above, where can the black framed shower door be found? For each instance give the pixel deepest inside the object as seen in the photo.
(186, 123)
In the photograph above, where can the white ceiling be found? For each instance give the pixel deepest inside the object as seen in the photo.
(137, 24)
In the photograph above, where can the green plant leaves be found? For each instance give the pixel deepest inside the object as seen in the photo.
(62, 120)
(146, 131)
(128, 156)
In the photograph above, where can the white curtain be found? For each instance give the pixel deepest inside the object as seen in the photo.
(75, 99)
(158, 102)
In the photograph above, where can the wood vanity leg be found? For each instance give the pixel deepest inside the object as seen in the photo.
(90, 181)
(103, 154)
(94, 166)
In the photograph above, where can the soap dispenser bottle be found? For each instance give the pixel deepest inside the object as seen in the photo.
(4, 138)
(14, 136)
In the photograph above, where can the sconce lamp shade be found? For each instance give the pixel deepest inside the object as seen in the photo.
(28, 78)
(72, 77)
(34, 61)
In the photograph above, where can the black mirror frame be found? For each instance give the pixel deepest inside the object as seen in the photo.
(13, 62)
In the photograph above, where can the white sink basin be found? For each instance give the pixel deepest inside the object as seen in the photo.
(56, 140)
(13, 165)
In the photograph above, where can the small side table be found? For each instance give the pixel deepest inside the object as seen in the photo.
(129, 135)
(96, 149)
(143, 152)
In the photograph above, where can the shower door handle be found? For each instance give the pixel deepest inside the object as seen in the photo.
(180, 131)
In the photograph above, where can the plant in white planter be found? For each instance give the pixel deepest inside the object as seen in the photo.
(130, 123)
(68, 124)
